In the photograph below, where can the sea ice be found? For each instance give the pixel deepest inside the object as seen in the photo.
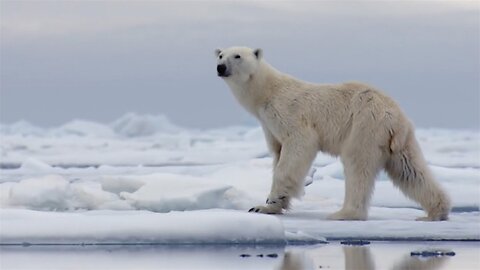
(140, 178)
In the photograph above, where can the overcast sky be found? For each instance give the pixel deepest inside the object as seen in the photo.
(97, 60)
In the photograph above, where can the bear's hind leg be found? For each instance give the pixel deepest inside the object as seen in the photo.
(410, 173)
(362, 160)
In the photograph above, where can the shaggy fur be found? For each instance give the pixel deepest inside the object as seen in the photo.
(355, 121)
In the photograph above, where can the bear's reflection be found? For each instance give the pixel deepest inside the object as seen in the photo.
(357, 258)
(296, 260)
(409, 262)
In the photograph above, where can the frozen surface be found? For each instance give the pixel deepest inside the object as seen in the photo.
(142, 178)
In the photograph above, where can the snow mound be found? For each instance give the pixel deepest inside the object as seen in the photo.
(22, 128)
(130, 125)
(84, 129)
(135, 227)
(135, 125)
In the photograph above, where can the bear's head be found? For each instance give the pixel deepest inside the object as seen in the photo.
(237, 63)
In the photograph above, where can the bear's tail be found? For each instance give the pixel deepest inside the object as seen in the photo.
(397, 131)
(409, 172)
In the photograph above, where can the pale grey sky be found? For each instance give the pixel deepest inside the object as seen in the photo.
(97, 60)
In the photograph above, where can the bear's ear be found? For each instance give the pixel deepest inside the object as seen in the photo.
(258, 53)
(218, 52)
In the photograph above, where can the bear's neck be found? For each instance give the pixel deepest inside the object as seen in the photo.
(259, 89)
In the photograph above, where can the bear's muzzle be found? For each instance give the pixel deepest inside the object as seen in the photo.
(222, 70)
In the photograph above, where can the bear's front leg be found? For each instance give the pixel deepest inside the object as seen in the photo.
(274, 146)
(295, 160)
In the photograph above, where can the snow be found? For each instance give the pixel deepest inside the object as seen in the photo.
(143, 179)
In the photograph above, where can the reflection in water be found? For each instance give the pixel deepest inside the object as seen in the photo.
(332, 256)
(296, 260)
(356, 258)
(410, 262)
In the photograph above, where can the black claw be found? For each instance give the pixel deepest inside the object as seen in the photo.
(256, 210)
(251, 209)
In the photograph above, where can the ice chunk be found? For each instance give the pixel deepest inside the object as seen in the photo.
(90, 195)
(46, 193)
(34, 165)
(180, 193)
(133, 227)
(302, 237)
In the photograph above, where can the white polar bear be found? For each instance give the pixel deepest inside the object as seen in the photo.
(355, 121)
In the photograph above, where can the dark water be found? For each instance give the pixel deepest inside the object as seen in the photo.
(376, 255)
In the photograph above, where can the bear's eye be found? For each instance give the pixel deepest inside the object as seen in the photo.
(220, 56)
(237, 56)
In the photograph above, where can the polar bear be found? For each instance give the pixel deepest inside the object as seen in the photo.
(358, 123)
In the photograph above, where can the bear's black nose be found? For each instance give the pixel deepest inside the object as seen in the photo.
(221, 69)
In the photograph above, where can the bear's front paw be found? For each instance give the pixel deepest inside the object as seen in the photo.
(267, 209)
(284, 201)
